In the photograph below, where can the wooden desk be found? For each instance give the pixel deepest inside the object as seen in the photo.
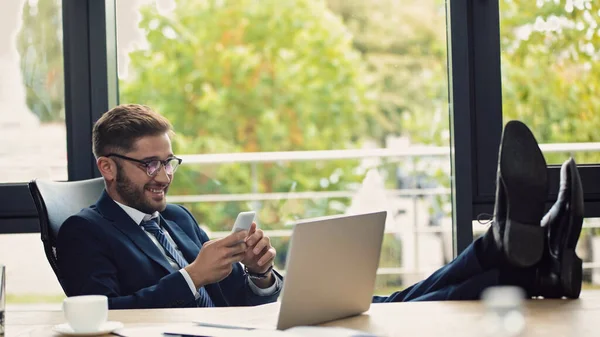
(544, 318)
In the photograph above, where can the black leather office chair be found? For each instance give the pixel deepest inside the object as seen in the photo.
(55, 202)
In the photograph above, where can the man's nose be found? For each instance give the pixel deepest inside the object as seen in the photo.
(162, 176)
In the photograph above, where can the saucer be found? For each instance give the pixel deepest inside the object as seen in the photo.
(105, 328)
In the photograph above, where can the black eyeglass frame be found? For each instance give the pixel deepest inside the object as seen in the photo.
(146, 163)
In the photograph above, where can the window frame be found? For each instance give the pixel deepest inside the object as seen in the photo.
(488, 121)
(91, 87)
(475, 101)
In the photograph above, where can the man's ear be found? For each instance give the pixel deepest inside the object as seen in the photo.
(107, 168)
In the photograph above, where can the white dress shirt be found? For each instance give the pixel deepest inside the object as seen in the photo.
(138, 217)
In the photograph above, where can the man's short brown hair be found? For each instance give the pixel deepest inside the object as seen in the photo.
(119, 128)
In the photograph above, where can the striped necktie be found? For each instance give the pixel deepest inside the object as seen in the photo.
(152, 227)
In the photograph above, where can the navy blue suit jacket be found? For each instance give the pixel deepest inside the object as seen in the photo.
(102, 251)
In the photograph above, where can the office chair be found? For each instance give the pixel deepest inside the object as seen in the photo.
(55, 201)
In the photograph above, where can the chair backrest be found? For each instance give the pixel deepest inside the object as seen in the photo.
(55, 201)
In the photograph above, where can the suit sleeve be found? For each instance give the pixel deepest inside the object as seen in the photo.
(235, 287)
(87, 268)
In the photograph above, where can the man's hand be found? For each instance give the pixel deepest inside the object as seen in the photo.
(216, 258)
(260, 254)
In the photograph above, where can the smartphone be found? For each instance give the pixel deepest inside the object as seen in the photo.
(244, 221)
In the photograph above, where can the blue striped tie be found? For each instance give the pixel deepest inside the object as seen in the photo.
(152, 227)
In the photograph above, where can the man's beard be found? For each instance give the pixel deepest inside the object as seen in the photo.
(132, 195)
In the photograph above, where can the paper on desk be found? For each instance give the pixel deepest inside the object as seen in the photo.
(319, 331)
(196, 330)
(301, 331)
(187, 329)
(245, 326)
(220, 332)
(142, 331)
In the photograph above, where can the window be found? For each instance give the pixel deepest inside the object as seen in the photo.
(300, 115)
(33, 134)
(32, 113)
(550, 74)
(588, 249)
(302, 108)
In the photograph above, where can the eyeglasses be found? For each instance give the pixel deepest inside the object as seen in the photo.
(153, 166)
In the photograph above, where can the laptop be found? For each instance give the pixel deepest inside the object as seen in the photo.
(331, 268)
(330, 271)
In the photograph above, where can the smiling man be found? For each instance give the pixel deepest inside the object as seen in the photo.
(144, 253)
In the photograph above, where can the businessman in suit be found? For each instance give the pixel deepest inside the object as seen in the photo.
(143, 253)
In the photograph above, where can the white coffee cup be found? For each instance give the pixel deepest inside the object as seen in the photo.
(86, 313)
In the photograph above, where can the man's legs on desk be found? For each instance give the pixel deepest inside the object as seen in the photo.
(520, 248)
(461, 279)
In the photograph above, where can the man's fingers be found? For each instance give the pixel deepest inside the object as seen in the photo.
(255, 237)
(239, 248)
(234, 259)
(234, 238)
(252, 229)
(268, 257)
(264, 242)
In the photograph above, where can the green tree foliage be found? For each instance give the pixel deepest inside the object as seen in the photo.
(248, 76)
(550, 70)
(39, 44)
(404, 46)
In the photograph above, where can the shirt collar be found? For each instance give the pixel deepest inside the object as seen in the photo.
(137, 216)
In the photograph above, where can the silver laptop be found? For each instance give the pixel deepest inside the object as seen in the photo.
(331, 268)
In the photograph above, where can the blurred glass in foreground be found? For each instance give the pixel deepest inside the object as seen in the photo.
(504, 315)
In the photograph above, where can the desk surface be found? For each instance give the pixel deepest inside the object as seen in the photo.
(544, 318)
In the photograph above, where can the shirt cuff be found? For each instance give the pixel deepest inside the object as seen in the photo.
(266, 291)
(190, 283)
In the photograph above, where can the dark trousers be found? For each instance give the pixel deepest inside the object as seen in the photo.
(461, 279)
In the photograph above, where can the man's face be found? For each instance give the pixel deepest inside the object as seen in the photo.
(134, 186)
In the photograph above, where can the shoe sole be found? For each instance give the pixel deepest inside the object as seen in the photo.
(571, 274)
(571, 264)
(576, 206)
(523, 173)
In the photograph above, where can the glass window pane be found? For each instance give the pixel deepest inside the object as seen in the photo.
(255, 89)
(32, 113)
(588, 249)
(32, 134)
(550, 74)
(30, 285)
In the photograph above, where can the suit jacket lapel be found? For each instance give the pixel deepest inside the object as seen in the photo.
(123, 222)
(188, 248)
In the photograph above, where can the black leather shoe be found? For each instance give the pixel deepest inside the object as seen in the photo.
(560, 271)
(521, 191)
